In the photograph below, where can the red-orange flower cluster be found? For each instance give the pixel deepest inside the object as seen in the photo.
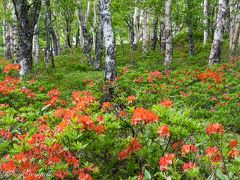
(11, 67)
(188, 166)
(165, 161)
(215, 129)
(214, 154)
(143, 115)
(167, 103)
(188, 148)
(234, 153)
(133, 147)
(211, 75)
(164, 131)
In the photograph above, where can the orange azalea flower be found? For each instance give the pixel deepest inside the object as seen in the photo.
(163, 131)
(188, 166)
(106, 106)
(165, 161)
(54, 93)
(156, 74)
(188, 148)
(100, 119)
(233, 143)
(214, 154)
(215, 129)
(8, 167)
(133, 147)
(167, 103)
(61, 174)
(8, 68)
(21, 157)
(141, 114)
(234, 153)
(130, 99)
(99, 129)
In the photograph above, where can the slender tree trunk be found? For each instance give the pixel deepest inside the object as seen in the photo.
(190, 28)
(145, 31)
(168, 33)
(235, 38)
(162, 39)
(77, 37)
(7, 40)
(232, 22)
(218, 34)
(206, 21)
(94, 24)
(6, 33)
(136, 18)
(155, 33)
(36, 48)
(99, 43)
(110, 44)
(87, 39)
(68, 30)
(50, 35)
(25, 27)
(59, 50)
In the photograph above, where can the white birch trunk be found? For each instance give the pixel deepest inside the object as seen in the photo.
(136, 19)
(145, 30)
(94, 24)
(205, 21)
(36, 48)
(110, 45)
(235, 38)
(218, 33)
(232, 22)
(168, 34)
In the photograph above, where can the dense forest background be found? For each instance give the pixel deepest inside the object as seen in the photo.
(119, 89)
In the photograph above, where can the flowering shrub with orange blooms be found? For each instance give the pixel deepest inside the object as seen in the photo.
(159, 124)
(143, 115)
(11, 67)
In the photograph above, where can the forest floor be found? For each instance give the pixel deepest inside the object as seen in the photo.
(47, 110)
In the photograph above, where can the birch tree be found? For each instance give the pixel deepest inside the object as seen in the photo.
(145, 30)
(236, 33)
(87, 38)
(168, 33)
(109, 41)
(27, 14)
(36, 47)
(99, 41)
(6, 32)
(215, 53)
(205, 21)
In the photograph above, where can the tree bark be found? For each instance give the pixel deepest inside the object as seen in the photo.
(87, 39)
(235, 38)
(190, 28)
(218, 34)
(162, 39)
(94, 33)
(27, 17)
(155, 33)
(50, 36)
(136, 18)
(36, 48)
(110, 44)
(99, 42)
(168, 33)
(145, 30)
(6, 32)
(59, 50)
(232, 22)
(206, 21)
